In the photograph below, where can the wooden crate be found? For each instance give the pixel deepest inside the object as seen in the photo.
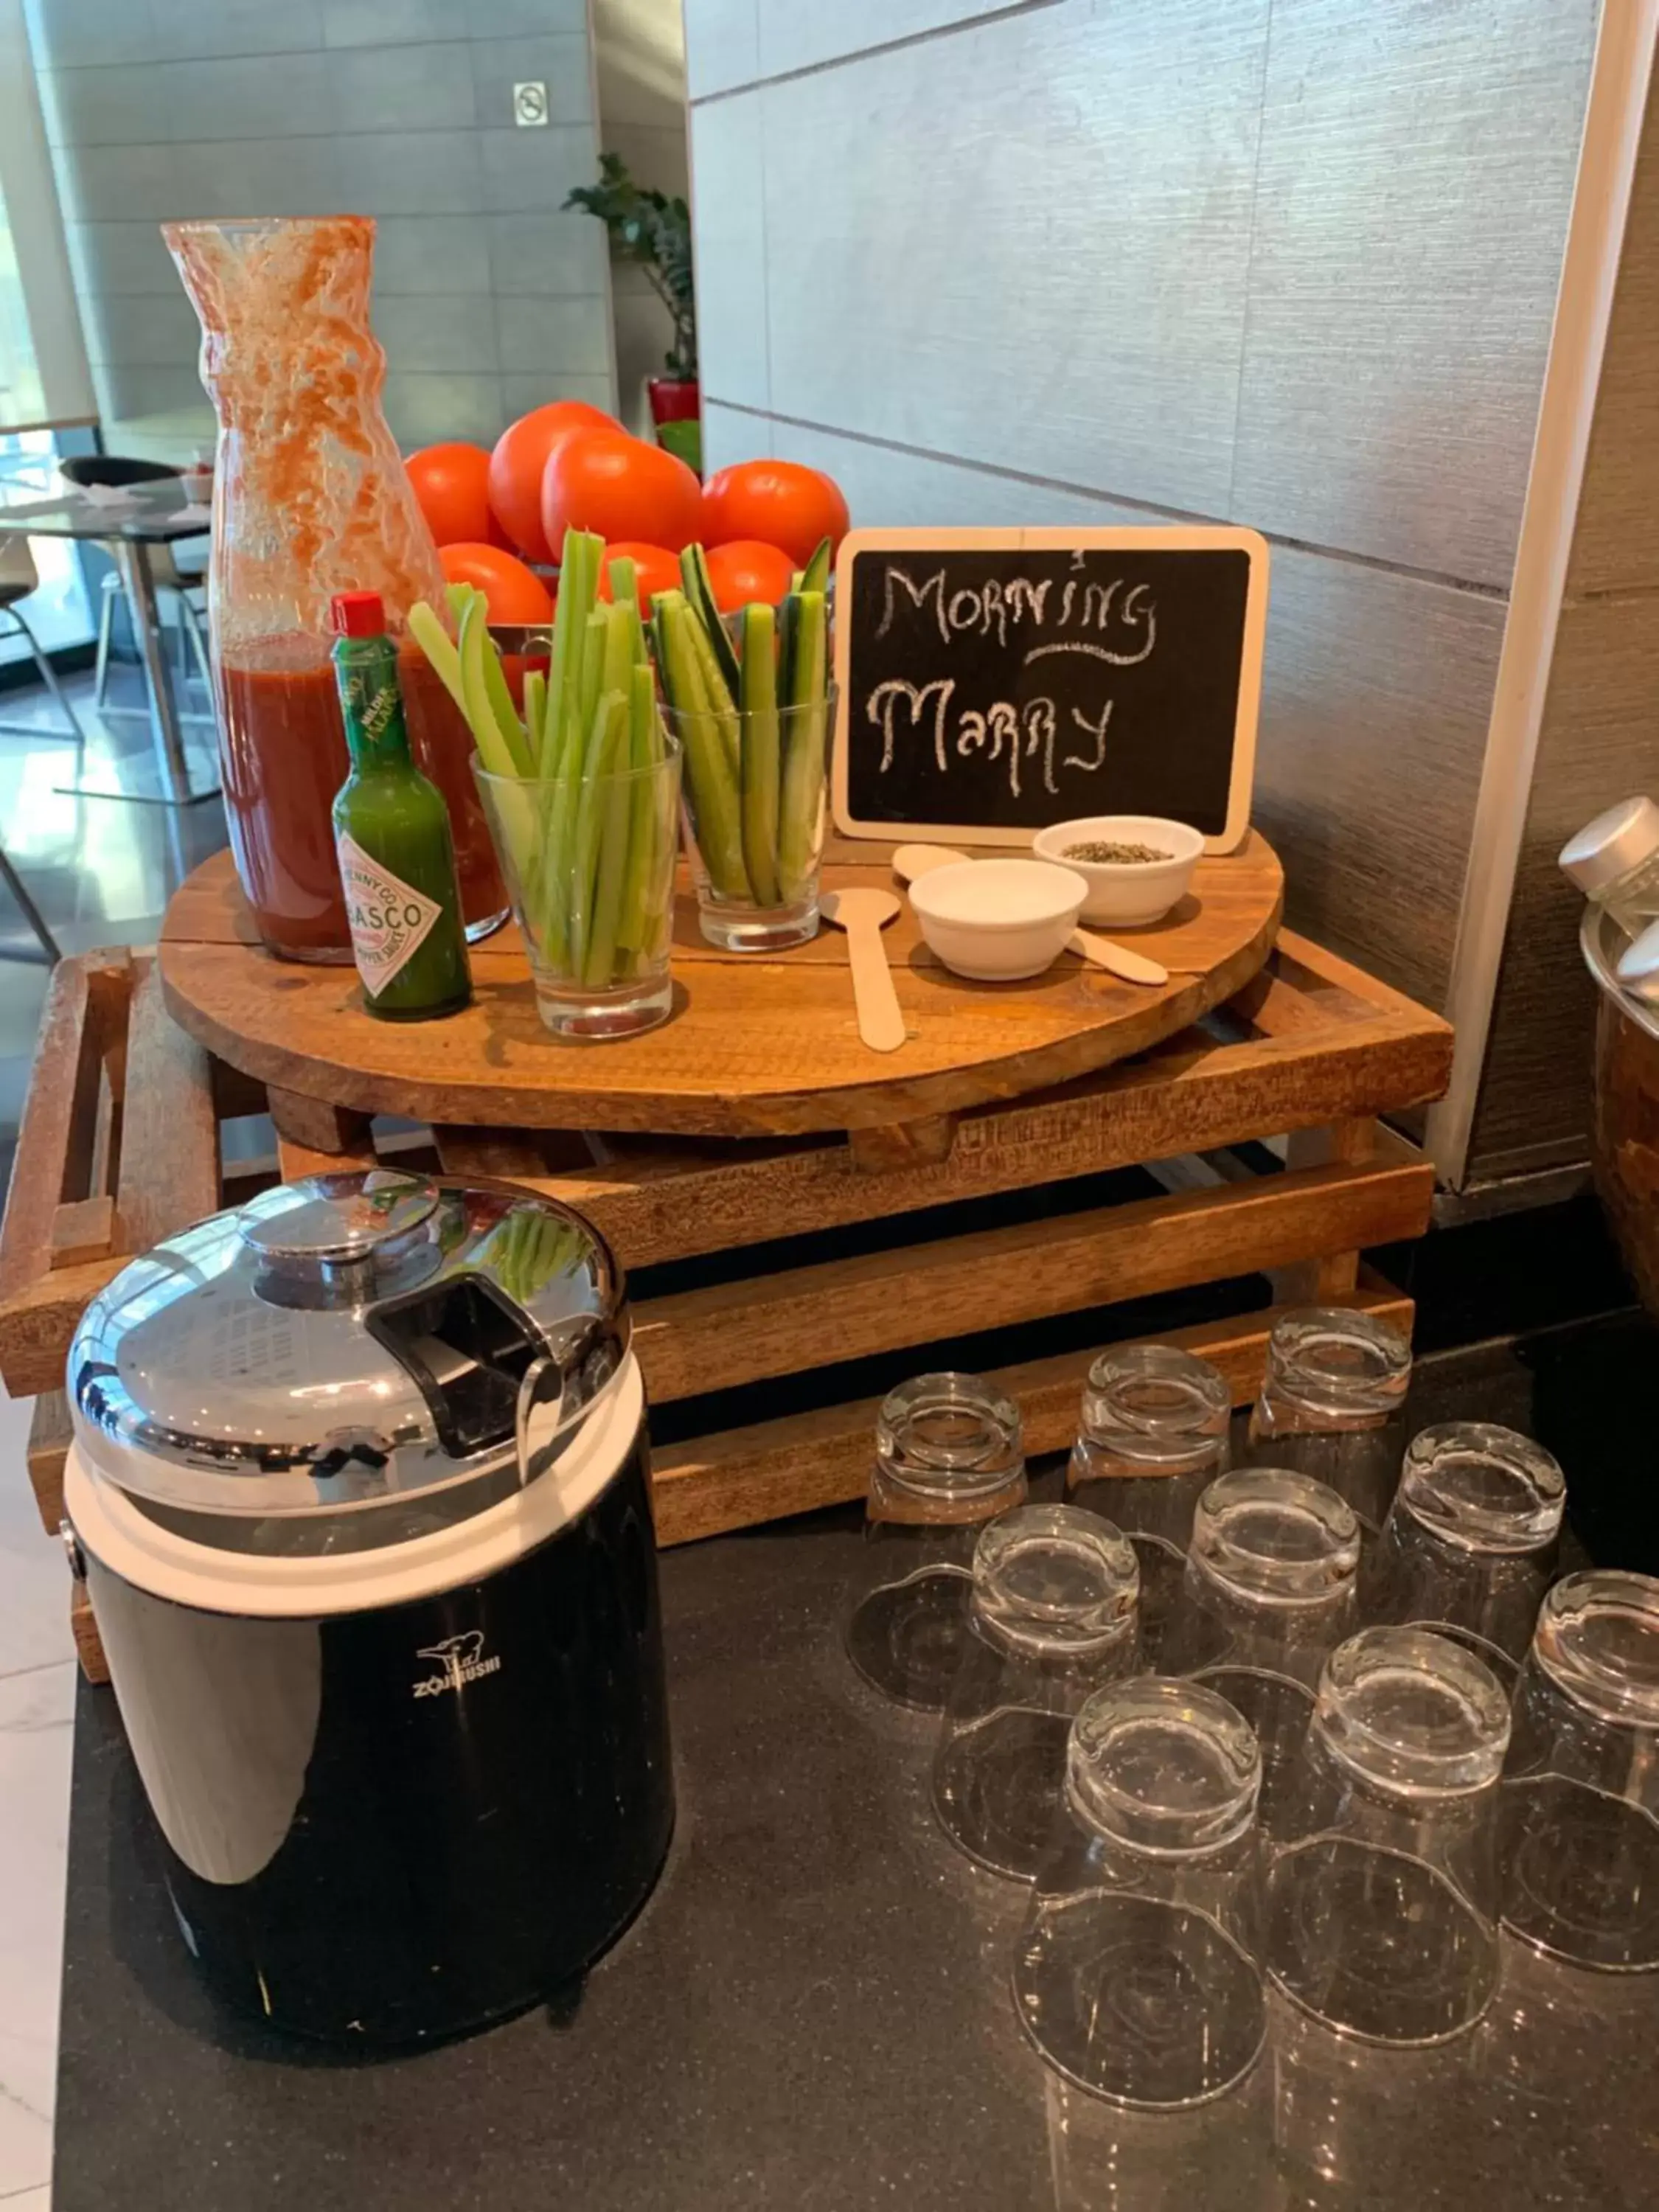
(119, 1147)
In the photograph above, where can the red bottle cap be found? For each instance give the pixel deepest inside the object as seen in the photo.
(357, 614)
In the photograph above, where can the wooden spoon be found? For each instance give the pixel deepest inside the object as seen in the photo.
(864, 915)
(913, 861)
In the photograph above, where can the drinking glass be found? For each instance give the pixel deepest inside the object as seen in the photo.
(1271, 1588)
(949, 1458)
(1470, 1540)
(589, 867)
(1137, 1972)
(1154, 1433)
(1581, 1788)
(1382, 1905)
(755, 869)
(1332, 1405)
(1052, 1616)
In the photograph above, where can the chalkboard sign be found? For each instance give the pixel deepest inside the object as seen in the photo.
(996, 681)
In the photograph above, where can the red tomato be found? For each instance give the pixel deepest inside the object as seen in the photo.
(780, 502)
(603, 480)
(656, 569)
(516, 466)
(745, 570)
(452, 486)
(512, 592)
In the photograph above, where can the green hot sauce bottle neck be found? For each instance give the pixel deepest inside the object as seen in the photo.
(393, 835)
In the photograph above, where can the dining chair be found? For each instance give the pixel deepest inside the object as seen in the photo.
(19, 577)
(183, 583)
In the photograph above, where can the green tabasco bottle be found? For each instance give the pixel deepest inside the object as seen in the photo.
(391, 832)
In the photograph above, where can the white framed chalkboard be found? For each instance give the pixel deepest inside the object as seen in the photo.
(993, 682)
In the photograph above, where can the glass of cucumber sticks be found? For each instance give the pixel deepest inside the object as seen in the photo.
(581, 792)
(752, 707)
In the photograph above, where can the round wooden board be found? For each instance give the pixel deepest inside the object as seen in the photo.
(756, 1047)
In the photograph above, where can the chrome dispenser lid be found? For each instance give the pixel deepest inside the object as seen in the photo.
(343, 1342)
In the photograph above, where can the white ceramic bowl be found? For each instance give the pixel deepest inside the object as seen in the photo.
(1126, 891)
(997, 920)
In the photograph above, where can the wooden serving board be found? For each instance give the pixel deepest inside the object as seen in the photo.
(756, 1046)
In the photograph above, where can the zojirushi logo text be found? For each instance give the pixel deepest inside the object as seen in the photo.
(460, 1660)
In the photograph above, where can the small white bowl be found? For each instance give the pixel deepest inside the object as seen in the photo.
(997, 920)
(1126, 891)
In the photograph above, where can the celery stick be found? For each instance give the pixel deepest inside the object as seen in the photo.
(761, 766)
(618, 657)
(495, 748)
(634, 931)
(610, 723)
(711, 787)
(694, 575)
(461, 598)
(802, 800)
(435, 642)
(615, 808)
(589, 684)
(579, 576)
(815, 576)
(535, 711)
(553, 729)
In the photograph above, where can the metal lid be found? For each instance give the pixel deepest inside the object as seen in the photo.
(1611, 845)
(1638, 966)
(343, 1343)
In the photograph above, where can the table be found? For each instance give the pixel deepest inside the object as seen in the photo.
(153, 514)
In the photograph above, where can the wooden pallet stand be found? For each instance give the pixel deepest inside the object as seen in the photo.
(119, 1147)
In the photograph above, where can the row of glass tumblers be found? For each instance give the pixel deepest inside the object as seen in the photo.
(1349, 1809)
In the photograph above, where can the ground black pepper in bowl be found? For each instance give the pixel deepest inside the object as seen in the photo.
(1102, 853)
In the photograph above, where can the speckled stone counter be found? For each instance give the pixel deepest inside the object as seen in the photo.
(810, 2014)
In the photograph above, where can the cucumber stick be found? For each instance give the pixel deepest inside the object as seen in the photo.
(761, 764)
(711, 781)
(815, 576)
(801, 801)
(694, 573)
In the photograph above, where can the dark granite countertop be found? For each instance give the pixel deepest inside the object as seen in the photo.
(810, 2014)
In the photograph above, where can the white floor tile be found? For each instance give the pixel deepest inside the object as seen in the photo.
(35, 1590)
(36, 1714)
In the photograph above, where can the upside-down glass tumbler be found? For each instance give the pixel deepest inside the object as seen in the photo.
(1271, 1588)
(948, 1459)
(1137, 1972)
(1333, 1405)
(1581, 1788)
(1153, 1434)
(1052, 1617)
(1382, 1905)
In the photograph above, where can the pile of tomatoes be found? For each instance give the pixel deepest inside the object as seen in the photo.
(498, 516)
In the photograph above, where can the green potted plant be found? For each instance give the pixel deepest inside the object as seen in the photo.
(654, 233)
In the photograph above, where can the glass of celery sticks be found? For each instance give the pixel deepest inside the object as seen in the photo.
(752, 709)
(581, 793)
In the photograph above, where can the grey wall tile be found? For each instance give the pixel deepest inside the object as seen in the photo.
(142, 330)
(120, 257)
(527, 171)
(128, 105)
(919, 203)
(77, 34)
(521, 19)
(186, 29)
(435, 333)
(730, 433)
(118, 184)
(426, 87)
(886, 489)
(555, 335)
(431, 253)
(1416, 169)
(427, 408)
(560, 63)
(722, 44)
(249, 96)
(728, 208)
(522, 393)
(1375, 705)
(545, 255)
(423, 173)
(126, 390)
(390, 22)
(793, 37)
(258, 176)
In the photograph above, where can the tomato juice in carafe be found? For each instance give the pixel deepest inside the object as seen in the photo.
(311, 497)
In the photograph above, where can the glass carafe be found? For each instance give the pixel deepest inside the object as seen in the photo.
(310, 498)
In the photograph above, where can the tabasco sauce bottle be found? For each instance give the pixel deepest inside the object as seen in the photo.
(391, 832)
